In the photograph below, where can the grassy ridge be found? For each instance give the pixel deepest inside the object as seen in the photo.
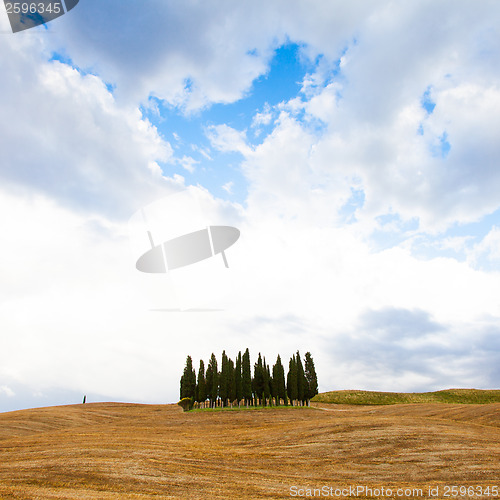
(455, 396)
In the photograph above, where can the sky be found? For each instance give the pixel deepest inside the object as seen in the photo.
(353, 144)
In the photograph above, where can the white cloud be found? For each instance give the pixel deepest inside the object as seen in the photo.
(76, 160)
(74, 312)
(456, 243)
(405, 350)
(225, 138)
(205, 152)
(486, 253)
(398, 167)
(90, 327)
(263, 118)
(194, 54)
(68, 138)
(7, 391)
(188, 163)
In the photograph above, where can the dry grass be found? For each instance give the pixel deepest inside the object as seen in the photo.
(453, 396)
(124, 451)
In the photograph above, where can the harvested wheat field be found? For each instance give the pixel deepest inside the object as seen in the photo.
(126, 451)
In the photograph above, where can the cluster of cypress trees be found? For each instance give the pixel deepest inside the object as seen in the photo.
(233, 384)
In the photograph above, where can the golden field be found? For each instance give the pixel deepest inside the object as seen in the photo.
(127, 451)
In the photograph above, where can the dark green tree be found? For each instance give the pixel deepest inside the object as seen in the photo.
(267, 384)
(272, 388)
(311, 378)
(246, 377)
(231, 384)
(279, 382)
(188, 380)
(201, 388)
(291, 381)
(209, 377)
(301, 380)
(212, 380)
(238, 382)
(258, 379)
(224, 380)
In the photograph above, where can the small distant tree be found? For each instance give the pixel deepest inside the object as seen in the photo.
(312, 379)
(188, 380)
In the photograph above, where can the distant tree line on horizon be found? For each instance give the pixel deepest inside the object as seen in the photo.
(234, 384)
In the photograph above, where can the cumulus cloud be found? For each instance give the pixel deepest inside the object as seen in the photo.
(188, 163)
(395, 137)
(486, 253)
(76, 315)
(176, 52)
(437, 167)
(225, 138)
(66, 136)
(397, 349)
(7, 391)
(193, 54)
(263, 118)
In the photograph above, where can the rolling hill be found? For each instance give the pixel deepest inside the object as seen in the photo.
(128, 451)
(454, 396)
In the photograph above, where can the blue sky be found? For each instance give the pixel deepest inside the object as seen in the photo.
(354, 146)
(187, 131)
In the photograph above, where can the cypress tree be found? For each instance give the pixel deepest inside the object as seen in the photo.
(312, 379)
(231, 383)
(265, 383)
(279, 381)
(301, 380)
(272, 388)
(291, 380)
(188, 380)
(246, 377)
(258, 379)
(201, 389)
(212, 380)
(268, 384)
(224, 380)
(238, 382)
(234, 381)
(209, 377)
